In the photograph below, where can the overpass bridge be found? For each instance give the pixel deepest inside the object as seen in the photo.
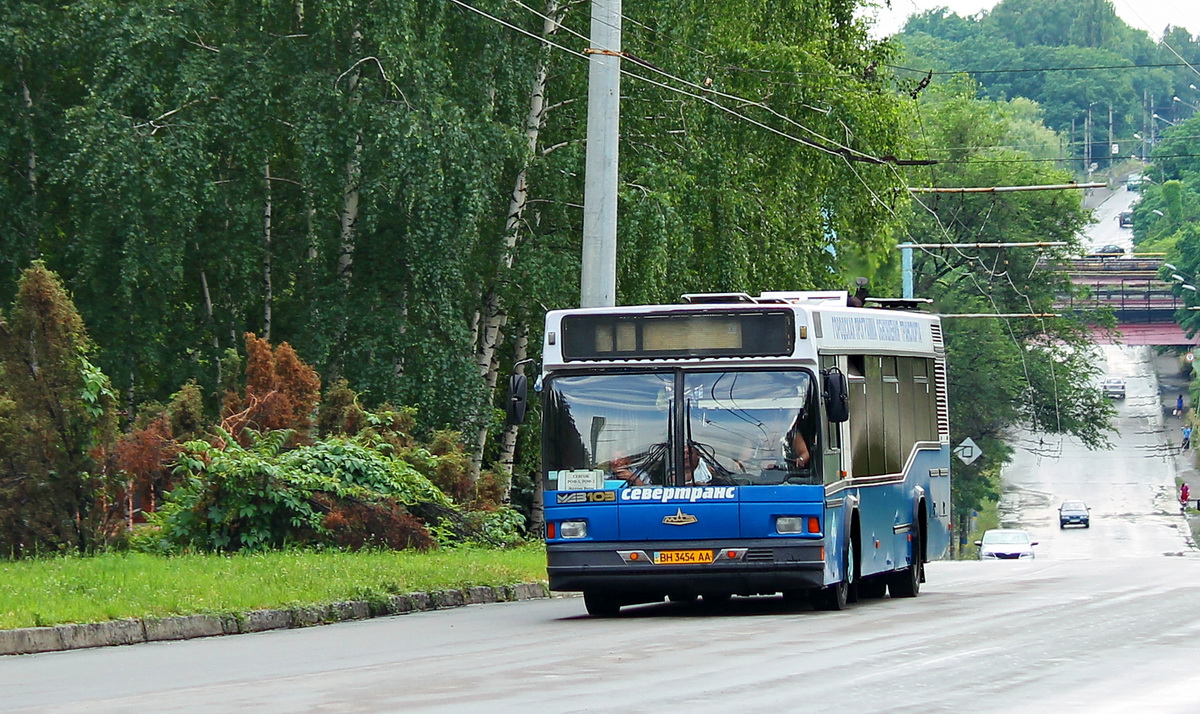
(1145, 305)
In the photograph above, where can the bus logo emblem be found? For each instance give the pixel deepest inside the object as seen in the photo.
(680, 518)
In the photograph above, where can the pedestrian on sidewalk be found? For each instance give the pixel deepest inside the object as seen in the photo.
(1184, 495)
(1187, 438)
(1179, 406)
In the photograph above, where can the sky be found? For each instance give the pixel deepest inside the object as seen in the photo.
(1150, 15)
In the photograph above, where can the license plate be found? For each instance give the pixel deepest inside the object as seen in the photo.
(683, 557)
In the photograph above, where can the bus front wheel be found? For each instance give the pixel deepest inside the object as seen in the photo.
(907, 582)
(831, 597)
(837, 596)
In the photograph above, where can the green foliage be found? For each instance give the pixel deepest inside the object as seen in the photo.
(1027, 36)
(503, 528)
(163, 133)
(1166, 218)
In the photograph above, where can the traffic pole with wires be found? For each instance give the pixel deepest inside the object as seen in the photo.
(598, 277)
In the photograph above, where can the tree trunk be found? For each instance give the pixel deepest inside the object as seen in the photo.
(268, 296)
(494, 315)
(349, 215)
(206, 293)
(508, 438)
(31, 219)
(31, 162)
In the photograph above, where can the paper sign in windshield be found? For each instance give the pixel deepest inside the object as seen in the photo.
(580, 479)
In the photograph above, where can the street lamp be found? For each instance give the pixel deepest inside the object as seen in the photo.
(1087, 141)
(1158, 212)
(1165, 121)
(1186, 104)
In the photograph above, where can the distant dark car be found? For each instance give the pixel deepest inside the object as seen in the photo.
(1074, 513)
(1114, 387)
(1111, 250)
(1125, 218)
(1005, 544)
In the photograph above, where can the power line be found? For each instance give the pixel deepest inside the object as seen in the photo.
(1006, 189)
(1039, 69)
(1036, 161)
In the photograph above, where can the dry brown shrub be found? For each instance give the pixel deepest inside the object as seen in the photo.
(281, 392)
(145, 455)
(356, 524)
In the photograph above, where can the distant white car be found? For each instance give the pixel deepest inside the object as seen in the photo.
(1005, 544)
(1114, 387)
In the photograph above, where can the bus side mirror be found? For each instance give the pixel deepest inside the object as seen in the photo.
(837, 396)
(518, 399)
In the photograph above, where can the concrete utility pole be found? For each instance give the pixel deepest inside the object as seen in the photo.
(1111, 141)
(598, 279)
(1087, 145)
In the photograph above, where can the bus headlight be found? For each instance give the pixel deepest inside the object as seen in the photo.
(788, 525)
(572, 529)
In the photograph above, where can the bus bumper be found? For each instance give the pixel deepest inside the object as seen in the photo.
(759, 566)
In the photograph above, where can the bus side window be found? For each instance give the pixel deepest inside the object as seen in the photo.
(859, 423)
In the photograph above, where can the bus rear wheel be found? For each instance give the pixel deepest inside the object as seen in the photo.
(601, 604)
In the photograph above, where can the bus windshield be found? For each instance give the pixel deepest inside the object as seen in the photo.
(685, 428)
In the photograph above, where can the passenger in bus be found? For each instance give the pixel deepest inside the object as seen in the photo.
(702, 468)
(695, 468)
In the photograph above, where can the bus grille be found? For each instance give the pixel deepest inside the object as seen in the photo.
(760, 555)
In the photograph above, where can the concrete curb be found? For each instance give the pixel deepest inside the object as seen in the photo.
(31, 640)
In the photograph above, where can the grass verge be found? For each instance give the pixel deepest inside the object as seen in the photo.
(54, 591)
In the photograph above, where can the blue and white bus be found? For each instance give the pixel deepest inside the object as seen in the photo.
(730, 445)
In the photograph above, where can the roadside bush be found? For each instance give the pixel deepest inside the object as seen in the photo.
(348, 492)
(502, 528)
(451, 471)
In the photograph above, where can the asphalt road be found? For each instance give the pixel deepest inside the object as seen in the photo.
(1106, 619)
(1106, 230)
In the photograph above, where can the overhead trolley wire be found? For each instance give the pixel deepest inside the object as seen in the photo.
(830, 146)
(1029, 70)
